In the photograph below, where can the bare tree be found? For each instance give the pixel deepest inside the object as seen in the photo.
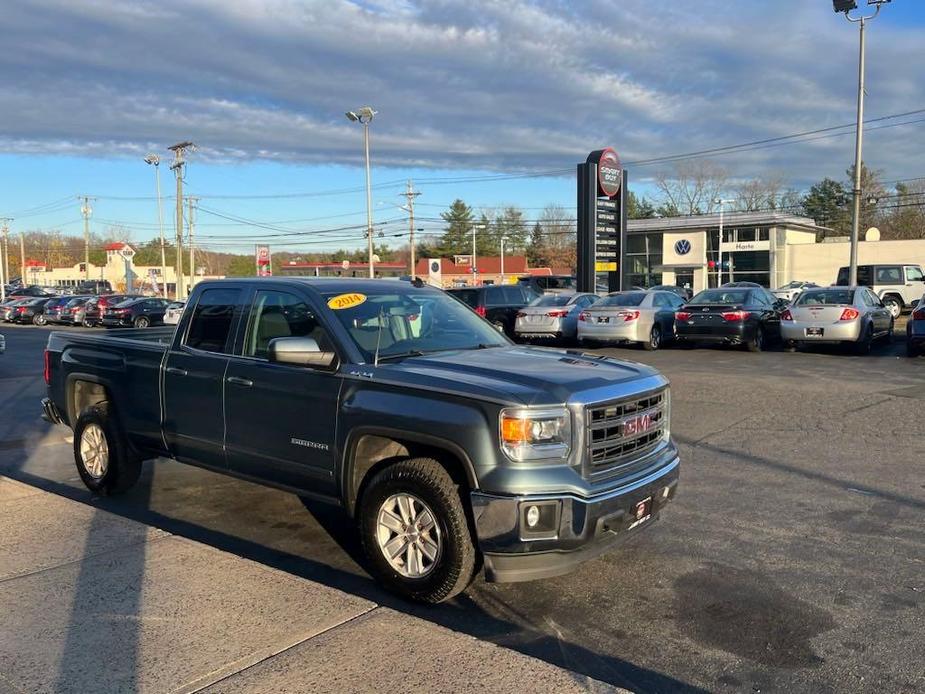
(692, 186)
(559, 231)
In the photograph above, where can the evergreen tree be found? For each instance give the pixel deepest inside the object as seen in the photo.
(536, 248)
(457, 235)
(826, 203)
(638, 208)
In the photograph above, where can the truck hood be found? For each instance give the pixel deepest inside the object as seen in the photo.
(523, 375)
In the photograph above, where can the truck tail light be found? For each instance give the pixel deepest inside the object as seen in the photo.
(682, 315)
(46, 371)
(557, 314)
(584, 316)
(849, 314)
(786, 315)
(735, 316)
(629, 316)
(480, 310)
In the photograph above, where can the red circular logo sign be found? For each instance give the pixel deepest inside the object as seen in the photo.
(609, 173)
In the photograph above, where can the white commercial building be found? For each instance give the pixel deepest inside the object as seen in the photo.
(771, 249)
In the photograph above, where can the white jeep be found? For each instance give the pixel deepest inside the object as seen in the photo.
(899, 285)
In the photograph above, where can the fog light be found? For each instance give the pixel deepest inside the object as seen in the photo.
(533, 516)
(666, 492)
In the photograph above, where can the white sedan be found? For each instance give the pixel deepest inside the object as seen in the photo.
(173, 312)
(792, 290)
(644, 317)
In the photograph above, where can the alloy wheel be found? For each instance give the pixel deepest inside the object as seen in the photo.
(408, 535)
(94, 451)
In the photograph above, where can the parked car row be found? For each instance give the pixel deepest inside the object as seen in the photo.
(109, 310)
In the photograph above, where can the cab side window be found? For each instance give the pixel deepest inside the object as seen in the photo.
(914, 274)
(889, 274)
(280, 314)
(210, 326)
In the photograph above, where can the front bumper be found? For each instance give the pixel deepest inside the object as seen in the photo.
(847, 331)
(584, 527)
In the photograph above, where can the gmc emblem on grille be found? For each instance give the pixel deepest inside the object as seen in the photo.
(637, 425)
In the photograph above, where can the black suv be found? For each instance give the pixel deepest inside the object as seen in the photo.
(139, 313)
(497, 303)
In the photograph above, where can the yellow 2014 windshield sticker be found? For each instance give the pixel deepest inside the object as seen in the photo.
(342, 301)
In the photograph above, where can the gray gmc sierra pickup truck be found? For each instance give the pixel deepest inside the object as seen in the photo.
(452, 448)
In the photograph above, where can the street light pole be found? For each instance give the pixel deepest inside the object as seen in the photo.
(719, 266)
(364, 116)
(502, 260)
(846, 6)
(156, 162)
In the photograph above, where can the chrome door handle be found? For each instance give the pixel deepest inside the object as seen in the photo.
(175, 371)
(238, 381)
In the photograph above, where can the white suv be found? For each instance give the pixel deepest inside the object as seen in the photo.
(899, 286)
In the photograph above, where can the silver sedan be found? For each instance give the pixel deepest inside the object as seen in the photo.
(644, 317)
(552, 316)
(836, 314)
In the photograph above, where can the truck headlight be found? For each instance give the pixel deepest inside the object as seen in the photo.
(536, 434)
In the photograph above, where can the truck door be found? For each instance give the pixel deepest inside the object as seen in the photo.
(193, 379)
(914, 286)
(281, 418)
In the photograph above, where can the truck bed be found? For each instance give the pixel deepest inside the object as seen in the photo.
(127, 361)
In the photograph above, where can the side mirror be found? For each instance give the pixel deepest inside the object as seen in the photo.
(299, 351)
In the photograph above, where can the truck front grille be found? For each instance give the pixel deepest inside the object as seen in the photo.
(622, 434)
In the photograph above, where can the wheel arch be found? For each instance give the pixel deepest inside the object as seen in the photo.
(84, 390)
(370, 449)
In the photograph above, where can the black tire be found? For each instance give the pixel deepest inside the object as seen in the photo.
(35, 319)
(40, 319)
(864, 345)
(454, 567)
(756, 343)
(86, 323)
(791, 346)
(122, 468)
(894, 305)
(655, 339)
(142, 322)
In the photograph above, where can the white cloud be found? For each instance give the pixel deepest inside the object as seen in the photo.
(478, 83)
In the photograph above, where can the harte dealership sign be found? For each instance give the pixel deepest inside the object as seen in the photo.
(601, 220)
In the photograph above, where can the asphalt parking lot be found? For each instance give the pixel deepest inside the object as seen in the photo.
(792, 560)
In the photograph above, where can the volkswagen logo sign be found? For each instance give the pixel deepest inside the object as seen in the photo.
(682, 247)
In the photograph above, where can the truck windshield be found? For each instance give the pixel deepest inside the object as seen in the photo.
(411, 322)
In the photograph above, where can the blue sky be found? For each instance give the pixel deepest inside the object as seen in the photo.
(465, 89)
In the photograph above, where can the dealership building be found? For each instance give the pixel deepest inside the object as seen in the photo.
(770, 249)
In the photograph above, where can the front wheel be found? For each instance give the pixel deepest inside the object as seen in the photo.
(103, 460)
(142, 322)
(415, 533)
(655, 339)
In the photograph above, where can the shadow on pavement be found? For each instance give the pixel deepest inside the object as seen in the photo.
(461, 614)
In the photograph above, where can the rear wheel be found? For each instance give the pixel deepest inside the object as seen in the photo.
(415, 533)
(103, 460)
(756, 343)
(655, 339)
(40, 319)
(36, 319)
(864, 344)
(791, 346)
(142, 322)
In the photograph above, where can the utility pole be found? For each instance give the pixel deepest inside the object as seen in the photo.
(192, 258)
(5, 265)
(177, 167)
(86, 211)
(411, 194)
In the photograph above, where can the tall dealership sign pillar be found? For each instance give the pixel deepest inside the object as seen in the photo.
(601, 221)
